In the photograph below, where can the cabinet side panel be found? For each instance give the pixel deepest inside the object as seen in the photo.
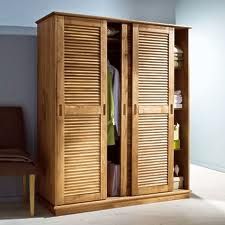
(59, 153)
(46, 108)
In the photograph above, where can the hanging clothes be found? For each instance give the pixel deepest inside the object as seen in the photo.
(116, 95)
(110, 111)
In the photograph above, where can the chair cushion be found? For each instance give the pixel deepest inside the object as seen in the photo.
(14, 160)
(14, 155)
(17, 169)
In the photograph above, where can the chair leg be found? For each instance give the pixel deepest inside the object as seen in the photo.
(24, 188)
(32, 193)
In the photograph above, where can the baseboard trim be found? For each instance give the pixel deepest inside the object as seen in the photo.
(209, 166)
(115, 202)
(10, 198)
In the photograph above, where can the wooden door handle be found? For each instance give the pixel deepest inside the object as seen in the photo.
(171, 109)
(124, 109)
(135, 109)
(104, 109)
(60, 110)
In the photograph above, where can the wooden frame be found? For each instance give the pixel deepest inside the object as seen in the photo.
(32, 178)
(103, 104)
(149, 108)
(52, 111)
(115, 202)
(32, 193)
(124, 110)
(134, 189)
(90, 110)
(59, 156)
(171, 114)
(110, 19)
(47, 108)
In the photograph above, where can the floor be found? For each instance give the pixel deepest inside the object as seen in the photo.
(206, 207)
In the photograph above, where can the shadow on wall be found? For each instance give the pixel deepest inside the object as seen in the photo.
(18, 66)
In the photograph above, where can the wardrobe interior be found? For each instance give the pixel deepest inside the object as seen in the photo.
(119, 53)
(114, 45)
(181, 108)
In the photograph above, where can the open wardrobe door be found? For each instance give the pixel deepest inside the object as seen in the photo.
(82, 123)
(152, 109)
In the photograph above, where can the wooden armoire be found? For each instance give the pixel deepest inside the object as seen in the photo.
(72, 111)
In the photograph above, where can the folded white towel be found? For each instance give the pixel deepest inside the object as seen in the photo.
(177, 101)
(178, 92)
(177, 106)
(178, 50)
(178, 98)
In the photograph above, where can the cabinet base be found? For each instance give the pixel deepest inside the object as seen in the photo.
(114, 202)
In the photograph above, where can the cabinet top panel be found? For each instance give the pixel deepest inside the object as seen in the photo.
(112, 20)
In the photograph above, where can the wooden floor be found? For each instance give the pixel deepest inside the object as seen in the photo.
(205, 207)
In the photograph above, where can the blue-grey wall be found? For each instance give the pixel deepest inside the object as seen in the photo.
(207, 59)
(18, 51)
(18, 87)
(26, 12)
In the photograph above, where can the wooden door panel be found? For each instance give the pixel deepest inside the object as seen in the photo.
(124, 109)
(84, 110)
(152, 151)
(152, 100)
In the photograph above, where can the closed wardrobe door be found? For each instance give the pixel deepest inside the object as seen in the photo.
(83, 128)
(152, 109)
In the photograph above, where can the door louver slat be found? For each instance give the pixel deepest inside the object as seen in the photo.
(151, 144)
(83, 121)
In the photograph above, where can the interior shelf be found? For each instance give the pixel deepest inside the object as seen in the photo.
(178, 109)
(178, 150)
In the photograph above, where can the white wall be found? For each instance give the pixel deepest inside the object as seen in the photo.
(18, 50)
(207, 84)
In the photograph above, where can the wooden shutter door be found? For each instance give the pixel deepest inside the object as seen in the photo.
(152, 124)
(84, 120)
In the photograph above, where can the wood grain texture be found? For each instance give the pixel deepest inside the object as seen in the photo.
(152, 123)
(171, 113)
(134, 159)
(32, 193)
(124, 109)
(155, 109)
(46, 121)
(82, 155)
(82, 109)
(104, 110)
(119, 202)
(59, 155)
(110, 19)
(152, 153)
(84, 122)
(82, 72)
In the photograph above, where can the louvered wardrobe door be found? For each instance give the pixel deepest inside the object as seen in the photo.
(152, 134)
(84, 124)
